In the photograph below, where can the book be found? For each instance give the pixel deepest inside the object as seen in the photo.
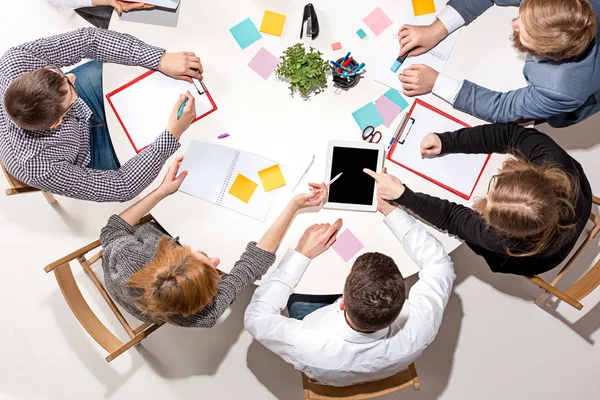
(227, 177)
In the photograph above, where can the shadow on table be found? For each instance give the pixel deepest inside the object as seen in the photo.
(176, 352)
(583, 135)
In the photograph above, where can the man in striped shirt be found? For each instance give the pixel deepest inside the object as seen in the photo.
(53, 133)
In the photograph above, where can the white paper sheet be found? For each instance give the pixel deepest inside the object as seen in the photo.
(457, 171)
(436, 58)
(145, 107)
(171, 4)
(212, 169)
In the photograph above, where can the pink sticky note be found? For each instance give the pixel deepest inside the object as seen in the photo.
(336, 46)
(264, 63)
(388, 110)
(377, 21)
(347, 245)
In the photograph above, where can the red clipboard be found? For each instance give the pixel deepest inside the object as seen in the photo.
(133, 82)
(400, 130)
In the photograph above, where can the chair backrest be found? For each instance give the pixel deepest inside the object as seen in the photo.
(81, 309)
(370, 390)
(15, 186)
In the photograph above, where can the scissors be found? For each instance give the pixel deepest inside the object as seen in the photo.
(371, 135)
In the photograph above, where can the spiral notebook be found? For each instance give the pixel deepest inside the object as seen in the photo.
(436, 58)
(212, 171)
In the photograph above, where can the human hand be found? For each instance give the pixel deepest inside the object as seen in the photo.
(171, 182)
(318, 238)
(431, 145)
(388, 186)
(421, 39)
(122, 6)
(182, 65)
(418, 79)
(176, 127)
(383, 206)
(314, 198)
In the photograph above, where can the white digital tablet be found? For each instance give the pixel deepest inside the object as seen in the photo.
(354, 190)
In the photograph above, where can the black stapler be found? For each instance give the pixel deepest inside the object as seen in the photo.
(311, 21)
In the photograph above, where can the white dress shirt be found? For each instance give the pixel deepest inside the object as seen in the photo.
(447, 87)
(71, 4)
(325, 347)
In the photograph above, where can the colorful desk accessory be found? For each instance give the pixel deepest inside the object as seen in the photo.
(223, 136)
(312, 160)
(346, 72)
(377, 21)
(423, 7)
(336, 46)
(243, 188)
(264, 63)
(361, 33)
(347, 245)
(272, 23)
(245, 33)
(328, 184)
(368, 115)
(271, 178)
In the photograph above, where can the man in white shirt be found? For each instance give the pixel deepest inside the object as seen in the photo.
(374, 330)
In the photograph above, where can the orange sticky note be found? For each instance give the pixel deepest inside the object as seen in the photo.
(272, 23)
(271, 178)
(422, 7)
(243, 188)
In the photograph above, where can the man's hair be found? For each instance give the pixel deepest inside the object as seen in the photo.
(374, 292)
(174, 283)
(34, 100)
(561, 29)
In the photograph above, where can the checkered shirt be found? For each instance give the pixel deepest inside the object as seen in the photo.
(56, 160)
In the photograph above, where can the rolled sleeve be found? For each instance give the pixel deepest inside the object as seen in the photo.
(447, 88)
(451, 19)
(292, 268)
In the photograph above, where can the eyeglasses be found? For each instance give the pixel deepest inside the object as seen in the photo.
(492, 181)
(57, 70)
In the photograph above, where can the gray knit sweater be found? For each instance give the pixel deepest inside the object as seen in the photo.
(128, 249)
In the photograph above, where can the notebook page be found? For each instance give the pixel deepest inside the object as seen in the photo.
(208, 167)
(458, 171)
(172, 4)
(249, 164)
(436, 58)
(145, 106)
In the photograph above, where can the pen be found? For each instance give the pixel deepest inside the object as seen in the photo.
(312, 160)
(361, 66)
(327, 185)
(182, 107)
(398, 63)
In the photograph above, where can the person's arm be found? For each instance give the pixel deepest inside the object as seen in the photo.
(430, 294)
(263, 317)
(525, 103)
(471, 9)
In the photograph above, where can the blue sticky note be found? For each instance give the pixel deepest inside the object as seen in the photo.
(397, 98)
(361, 33)
(245, 33)
(368, 115)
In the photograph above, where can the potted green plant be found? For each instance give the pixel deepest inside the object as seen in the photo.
(306, 72)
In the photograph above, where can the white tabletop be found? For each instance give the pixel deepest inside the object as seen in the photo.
(262, 118)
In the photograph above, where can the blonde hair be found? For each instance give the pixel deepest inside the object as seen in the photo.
(561, 29)
(533, 204)
(174, 283)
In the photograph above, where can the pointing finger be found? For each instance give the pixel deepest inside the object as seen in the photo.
(372, 174)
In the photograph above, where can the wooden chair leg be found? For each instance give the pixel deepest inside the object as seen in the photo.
(137, 339)
(49, 197)
(554, 291)
(415, 381)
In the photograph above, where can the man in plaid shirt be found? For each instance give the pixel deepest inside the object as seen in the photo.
(53, 133)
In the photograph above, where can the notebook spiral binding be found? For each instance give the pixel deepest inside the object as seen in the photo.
(228, 177)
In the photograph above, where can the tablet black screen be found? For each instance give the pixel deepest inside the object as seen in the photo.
(354, 186)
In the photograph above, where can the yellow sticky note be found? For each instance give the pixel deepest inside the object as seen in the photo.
(272, 23)
(271, 178)
(422, 7)
(243, 188)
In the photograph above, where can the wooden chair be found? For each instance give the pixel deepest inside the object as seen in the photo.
(584, 286)
(18, 187)
(83, 312)
(370, 390)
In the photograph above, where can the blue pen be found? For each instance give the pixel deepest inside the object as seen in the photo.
(336, 64)
(182, 107)
(391, 141)
(361, 66)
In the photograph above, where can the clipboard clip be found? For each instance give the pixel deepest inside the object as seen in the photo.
(401, 132)
(200, 92)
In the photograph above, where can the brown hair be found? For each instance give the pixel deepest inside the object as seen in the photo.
(374, 292)
(174, 283)
(533, 204)
(561, 29)
(34, 100)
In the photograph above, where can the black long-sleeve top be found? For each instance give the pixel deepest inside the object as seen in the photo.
(470, 226)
